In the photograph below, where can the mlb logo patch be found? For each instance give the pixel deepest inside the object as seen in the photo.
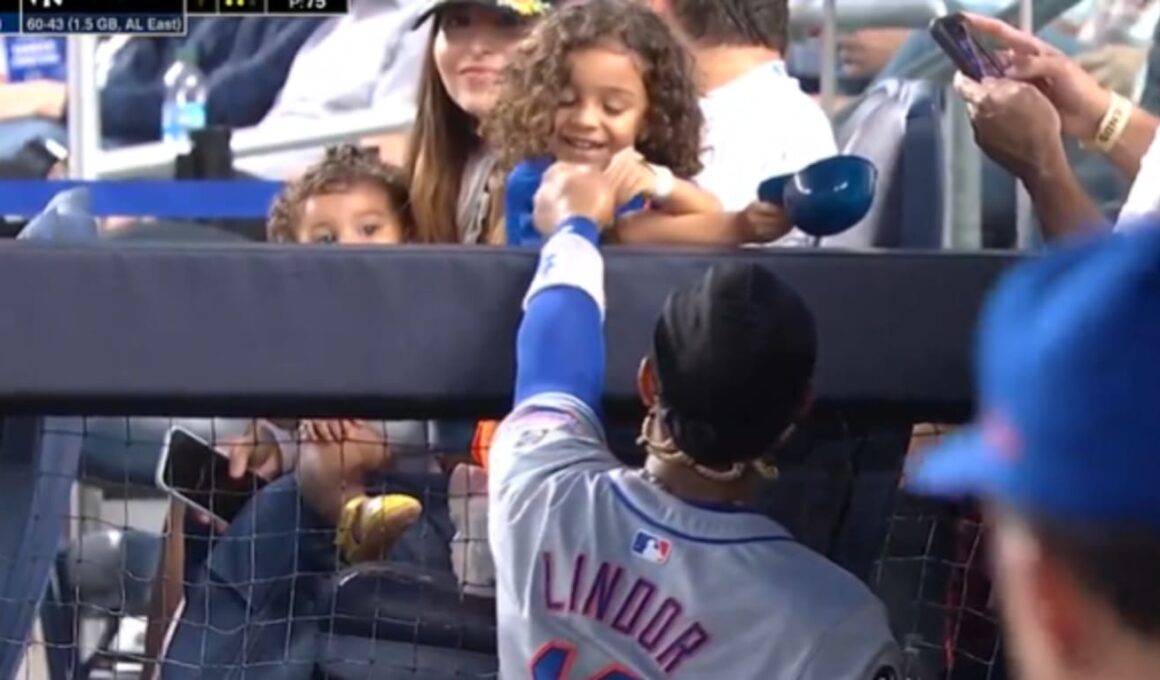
(652, 548)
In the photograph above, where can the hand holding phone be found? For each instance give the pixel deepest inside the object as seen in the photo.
(953, 34)
(198, 475)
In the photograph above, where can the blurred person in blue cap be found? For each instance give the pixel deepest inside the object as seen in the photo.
(1065, 458)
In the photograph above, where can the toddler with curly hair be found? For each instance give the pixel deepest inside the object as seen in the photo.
(606, 83)
(350, 197)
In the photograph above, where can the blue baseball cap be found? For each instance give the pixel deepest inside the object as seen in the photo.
(1068, 380)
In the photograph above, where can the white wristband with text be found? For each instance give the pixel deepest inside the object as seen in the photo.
(1114, 123)
(569, 259)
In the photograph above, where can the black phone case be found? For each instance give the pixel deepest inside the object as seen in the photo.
(940, 31)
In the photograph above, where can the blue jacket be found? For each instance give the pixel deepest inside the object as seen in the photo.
(245, 61)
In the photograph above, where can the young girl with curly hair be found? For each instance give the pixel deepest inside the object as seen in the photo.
(606, 83)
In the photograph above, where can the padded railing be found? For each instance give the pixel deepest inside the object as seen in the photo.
(895, 327)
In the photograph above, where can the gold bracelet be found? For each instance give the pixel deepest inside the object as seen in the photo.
(1114, 123)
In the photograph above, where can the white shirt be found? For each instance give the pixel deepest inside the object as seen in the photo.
(1144, 197)
(366, 61)
(759, 126)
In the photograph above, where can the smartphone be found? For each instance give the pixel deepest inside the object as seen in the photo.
(953, 35)
(199, 475)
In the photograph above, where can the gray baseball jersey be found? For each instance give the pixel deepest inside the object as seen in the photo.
(603, 575)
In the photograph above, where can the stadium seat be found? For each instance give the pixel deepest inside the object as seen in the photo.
(103, 576)
(422, 626)
(897, 126)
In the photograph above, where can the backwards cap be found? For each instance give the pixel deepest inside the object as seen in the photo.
(734, 355)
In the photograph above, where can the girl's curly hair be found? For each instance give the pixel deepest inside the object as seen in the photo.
(343, 167)
(539, 73)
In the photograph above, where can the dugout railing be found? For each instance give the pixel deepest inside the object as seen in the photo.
(119, 331)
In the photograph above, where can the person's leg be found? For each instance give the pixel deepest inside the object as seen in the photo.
(255, 593)
(265, 573)
(168, 587)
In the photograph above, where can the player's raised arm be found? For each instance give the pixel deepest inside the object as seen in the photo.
(560, 345)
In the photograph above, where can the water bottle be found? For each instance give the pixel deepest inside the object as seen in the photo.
(183, 110)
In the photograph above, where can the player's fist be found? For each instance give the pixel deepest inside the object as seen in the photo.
(630, 176)
(571, 190)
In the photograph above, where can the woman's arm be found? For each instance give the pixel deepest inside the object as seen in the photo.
(1061, 203)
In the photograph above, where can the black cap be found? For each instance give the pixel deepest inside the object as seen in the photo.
(734, 356)
(527, 9)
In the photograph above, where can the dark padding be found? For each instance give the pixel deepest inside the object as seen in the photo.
(265, 330)
(407, 604)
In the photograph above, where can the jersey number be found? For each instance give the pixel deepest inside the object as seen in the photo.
(555, 659)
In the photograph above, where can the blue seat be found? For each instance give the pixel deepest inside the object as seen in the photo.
(38, 463)
(897, 126)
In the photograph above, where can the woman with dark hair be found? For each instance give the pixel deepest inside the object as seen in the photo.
(454, 187)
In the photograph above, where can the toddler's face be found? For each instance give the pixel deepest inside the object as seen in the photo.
(360, 215)
(604, 109)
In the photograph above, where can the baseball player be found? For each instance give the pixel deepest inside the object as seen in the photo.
(610, 573)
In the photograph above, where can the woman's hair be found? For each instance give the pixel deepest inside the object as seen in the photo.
(344, 166)
(540, 72)
(442, 139)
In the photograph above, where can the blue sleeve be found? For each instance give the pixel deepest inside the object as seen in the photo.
(519, 201)
(560, 343)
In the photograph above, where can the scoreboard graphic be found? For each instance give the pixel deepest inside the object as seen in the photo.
(141, 17)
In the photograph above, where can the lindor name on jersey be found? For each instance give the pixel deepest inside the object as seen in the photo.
(630, 605)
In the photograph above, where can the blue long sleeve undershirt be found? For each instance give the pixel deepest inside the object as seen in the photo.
(560, 343)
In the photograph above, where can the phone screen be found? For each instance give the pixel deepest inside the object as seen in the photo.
(965, 50)
(199, 474)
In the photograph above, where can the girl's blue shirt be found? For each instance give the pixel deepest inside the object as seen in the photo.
(519, 199)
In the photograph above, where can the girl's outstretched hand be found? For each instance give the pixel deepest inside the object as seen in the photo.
(762, 222)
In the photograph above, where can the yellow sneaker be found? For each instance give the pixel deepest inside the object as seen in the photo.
(370, 525)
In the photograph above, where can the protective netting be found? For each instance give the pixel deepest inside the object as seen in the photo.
(269, 595)
(932, 575)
